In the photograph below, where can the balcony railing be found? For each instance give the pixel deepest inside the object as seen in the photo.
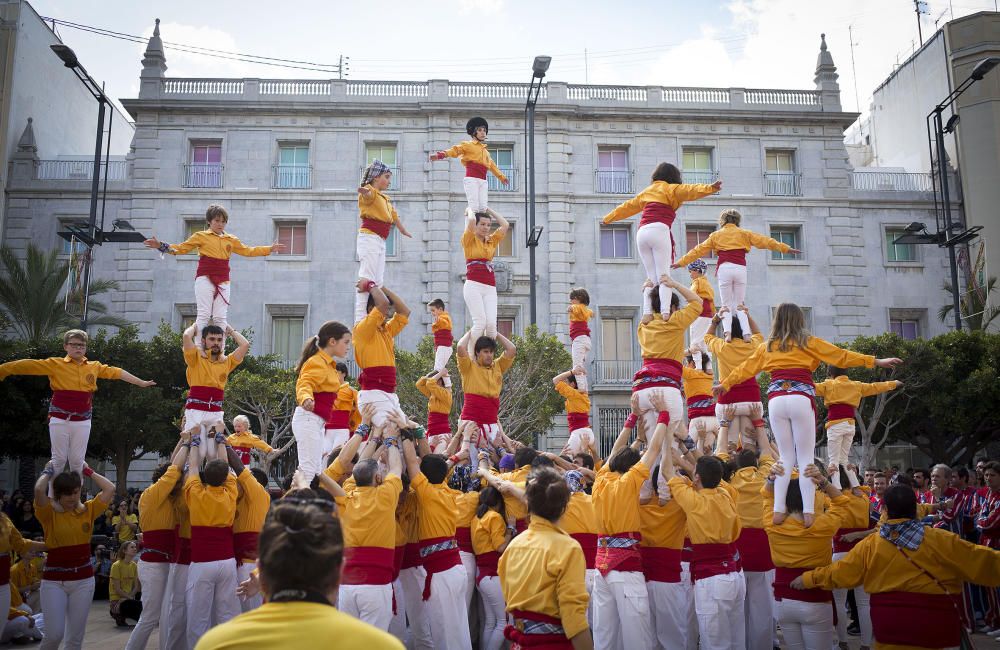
(892, 182)
(395, 181)
(614, 372)
(700, 176)
(494, 184)
(610, 421)
(80, 170)
(782, 184)
(291, 177)
(618, 181)
(203, 175)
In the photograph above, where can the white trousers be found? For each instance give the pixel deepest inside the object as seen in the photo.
(371, 266)
(205, 420)
(65, 605)
(481, 301)
(243, 571)
(447, 611)
(805, 626)
(669, 610)
(589, 579)
(212, 309)
(369, 603)
(442, 355)
(579, 348)
(173, 635)
(580, 440)
(412, 582)
(692, 621)
(332, 438)
(309, 430)
(794, 425)
(697, 333)
(385, 403)
(397, 627)
(153, 577)
(711, 427)
(655, 251)
(476, 193)
(496, 613)
(863, 601)
(210, 597)
(469, 562)
(718, 603)
(732, 279)
(69, 444)
(649, 414)
(759, 610)
(839, 437)
(621, 611)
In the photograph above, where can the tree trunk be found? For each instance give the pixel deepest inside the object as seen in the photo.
(123, 458)
(26, 476)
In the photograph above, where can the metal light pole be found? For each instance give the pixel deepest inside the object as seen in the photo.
(533, 233)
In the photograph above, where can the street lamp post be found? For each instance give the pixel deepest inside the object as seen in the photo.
(946, 238)
(533, 233)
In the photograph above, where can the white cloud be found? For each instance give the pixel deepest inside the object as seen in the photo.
(488, 7)
(186, 64)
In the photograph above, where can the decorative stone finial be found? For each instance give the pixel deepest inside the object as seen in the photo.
(27, 142)
(154, 60)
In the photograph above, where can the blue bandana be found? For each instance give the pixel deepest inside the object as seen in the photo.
(574, 479)
(904, 534)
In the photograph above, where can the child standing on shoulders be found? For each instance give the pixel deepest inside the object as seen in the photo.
(477, 160)
(579, 333)
(698, 329)
(842, 397)
(581, 435)
(439, 400)
(443, 338)
(215, 246)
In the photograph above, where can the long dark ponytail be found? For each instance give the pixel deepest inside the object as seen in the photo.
(491, 499)
(331, 329)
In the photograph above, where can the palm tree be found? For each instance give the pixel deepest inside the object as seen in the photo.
(974, 304)
(33, 297)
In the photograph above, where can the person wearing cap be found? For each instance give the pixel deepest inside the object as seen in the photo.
(378, 216)
(701, 286)
(477, 161)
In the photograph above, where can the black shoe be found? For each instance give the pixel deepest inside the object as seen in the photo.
(854, 629)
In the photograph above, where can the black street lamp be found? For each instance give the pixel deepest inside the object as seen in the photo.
(946, 237)
(533, 233)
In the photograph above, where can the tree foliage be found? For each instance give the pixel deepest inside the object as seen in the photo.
(265, 393)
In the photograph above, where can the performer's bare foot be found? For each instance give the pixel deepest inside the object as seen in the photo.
(779, 518)
(729, 337)
(808, 518)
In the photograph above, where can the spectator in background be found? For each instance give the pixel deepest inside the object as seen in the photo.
(102, 571)
(103, 526)
(26, 522)
(13, 507)
(126, 523)
(124, 586)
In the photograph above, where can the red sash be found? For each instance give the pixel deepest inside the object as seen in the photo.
(480, 409)
(205, 394)
(578, 328)
(700, 412)
(157, 546)
(5, 570)
(921, 620)
(709, 560)
(520, 525)
(323, 404)
(755, 551)
(66, 563)
(839, 545)
(657, 368)
(213, 268)
(480, 270)
(378, 378)
(661, 564)
(541, 641)
(339, 420)
(380, 228)
(77, 402)
(578, 421)
(443, 338)
(802, 375)
(588, 542)
(660, 213)
(783, 577)
(618, 559)
(397, 562)
(486, 563)
(463, 535)
(475, 170)
(839, 412)
(411, 556)
(183, 548)
(735, 256)
(707, 308)
(244, 453)
(211, 543)
(245, 545)
(438, 561)
(437, 423)
(368, 565)
(745, 391)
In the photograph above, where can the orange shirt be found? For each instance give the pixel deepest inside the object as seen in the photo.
(336, 470)
(63, 372)
(477, 249)
(218, 246)
(248, 440)
(467, 502)
(696, 382)
(660, 192)
(373, 334)
(730, 355)
(474, 151)
(377, 207)
(488, 532)
(439, 397)
(347, 400)
(711, 513)
(438, 508)
(703, 288)
(407, 519)
(367, 514)
(664, 339)
(252, 505)
(156, 508)
(662, 526)
(732, 237)
(580, 313)
(209, 505)
(183, 515)
(515, 507)
(616, 499)
(793, 545)
(442, 322)
(203, 371)
(747, 483)
(479, 380)
(576, 401)
(69, 528)
(816, 351)
(10, 537)
(317, 375)
(580, 515)
(843, 390)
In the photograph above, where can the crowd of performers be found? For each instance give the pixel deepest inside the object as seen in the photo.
(696, 531)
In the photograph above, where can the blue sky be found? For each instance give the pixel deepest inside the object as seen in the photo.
(747, 43)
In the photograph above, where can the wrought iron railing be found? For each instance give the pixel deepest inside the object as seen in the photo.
(203, 175)
(291, 177)
(618, 181)
(782, 184)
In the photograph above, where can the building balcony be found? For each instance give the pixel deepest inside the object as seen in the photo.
(80, 170)
(614, 372)
(782, 184)
(203, 175)
(395, 182)
(869, 181)
(494, 184)
(291, 177)
(613, 181)
(700, 176)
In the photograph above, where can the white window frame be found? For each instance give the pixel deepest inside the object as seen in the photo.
(917, 263)
(907, 314)
(514, 248)
(291, 220)
(630, 226)
(714, 257)
(803, 259)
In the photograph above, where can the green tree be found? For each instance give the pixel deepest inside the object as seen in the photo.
(33, 297)
(265, 393)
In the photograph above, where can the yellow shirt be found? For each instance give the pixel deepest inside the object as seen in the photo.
(488, 532)
(795, 546)
(616, 499)
(466, 502)
(842, 390)
(69, 528)
(696, 382)
(183, 515)
(747, 482)
(202, 371)
(732, 237)
(816, 351)
(664, 339)
(406, 519)
(252, 505)
(439, 397)
(125, 533)
(729, 356)
(580, 313)
(479, 380)
(576, 401)
(218, 246)
(660, 192)
(515, 507)
(63, 372)
(347, 400)
(284, 626)
(368, 514)
(209, 505)
(442, 322)
(474, 151)
(437, 506)
(156, 508)
(477, 249)
(24, 574)
(373, 345)
(377, 207)
(336, 470)
(711, 513)
(10, 537)
(317, 375)
(703, 288)
(662, 526)
(126, 573)
(580, 515)
(543, 571)
(248, 440)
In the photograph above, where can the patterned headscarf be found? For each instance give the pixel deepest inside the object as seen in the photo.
(462, 478)
(904, 534)
(574, 479)
(373, 171)
(698, 265)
